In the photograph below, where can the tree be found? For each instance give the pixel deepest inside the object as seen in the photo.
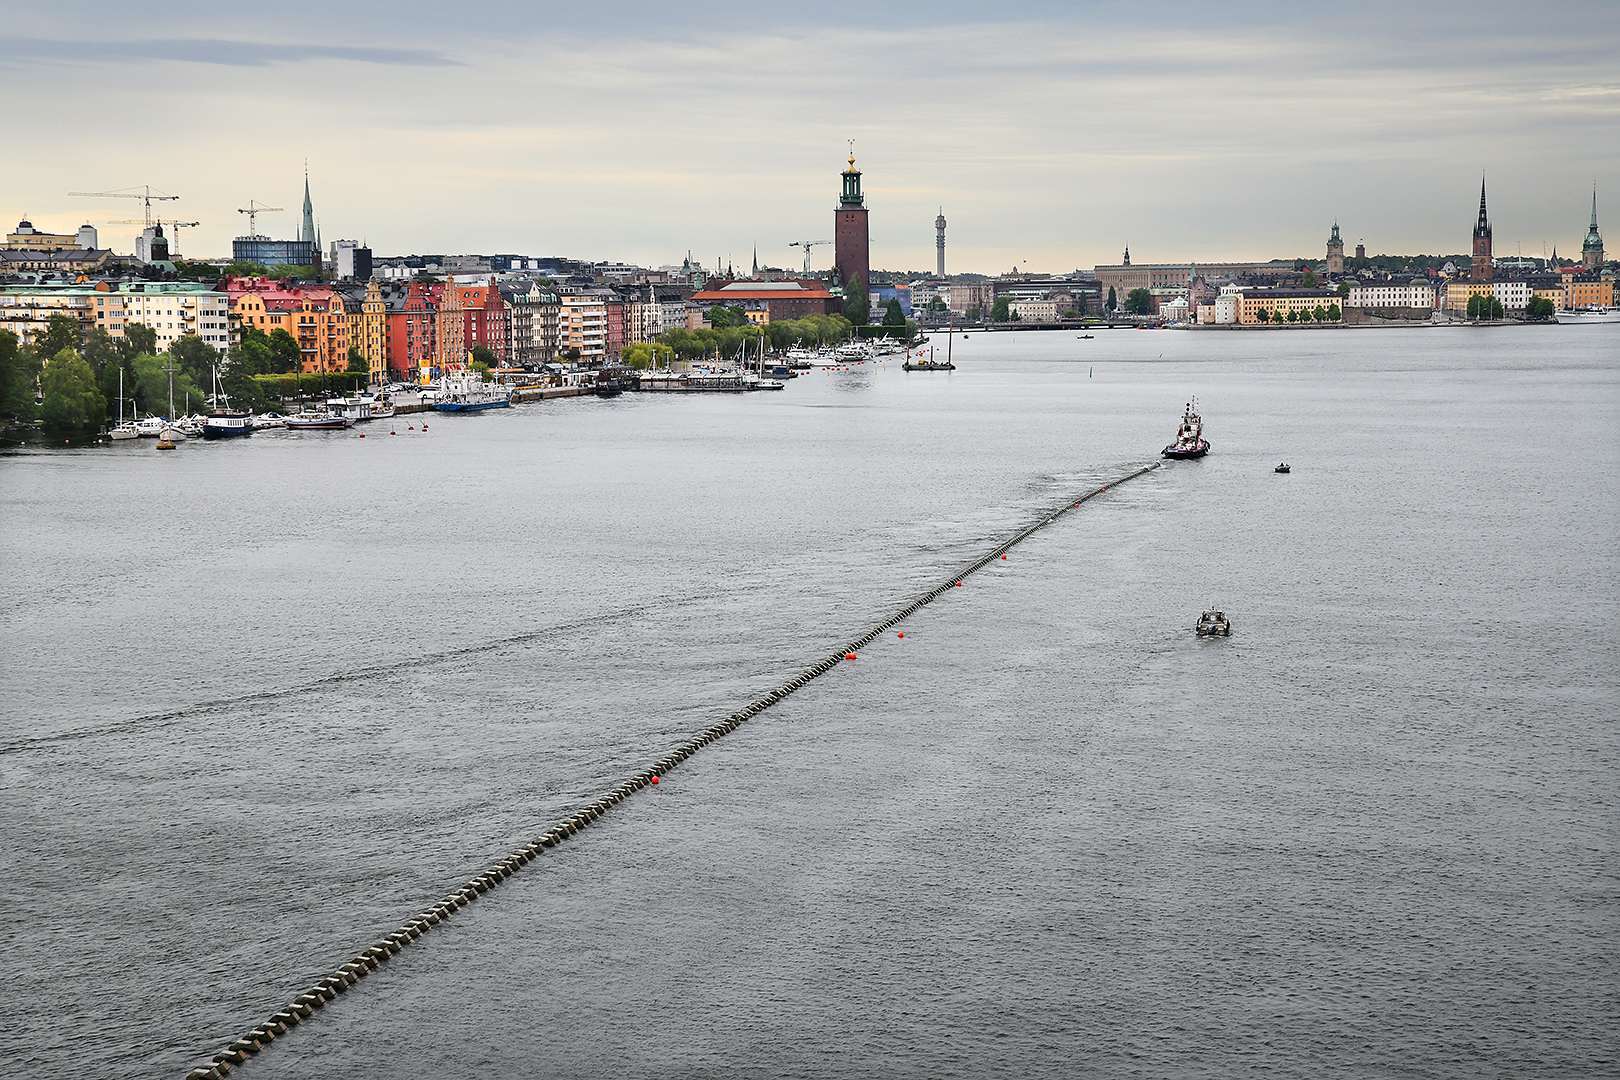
(139, 340)
(974, 313)
(481, 354)
(151, 389)
(936, 306)
(1539, 308)
(243, 268)
(1333, 313)
(1113, 301)
(195, 357)
(1496, 311)
(1001, 310)
(1319, 313)
(72, 399)
(723, 318)
(254, 356)
(893, 315)
(1263, 315)
(856, 303)
(61, 332)
(1344, 290)
(1473, 306)
(288, 356)
(1082, 308)
(18, 373)
(1293, 315)
(1309, 280)
(1139, 302)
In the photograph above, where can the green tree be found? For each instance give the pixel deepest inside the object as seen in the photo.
(856, 302)
(359, 365)
(893, 315)
(724, 318)
(288, 356)
(1496, 311)
(1112, 303)
(254, 355)
(1082, 307)
(1539, 308)
(1139, 302)
(1309, 280)
(974, 313)
(1473, 306)
(285, 271)
(19, 373)
(936, 306)
(1001, 310)
(1319, 313)
(151, 389)
(1263, 315)
(1293, 315)
(1333, 313)
(139, 340)
(195, 357)
(243, 268)
(1344, 290)
(61, 332)
(72, 399)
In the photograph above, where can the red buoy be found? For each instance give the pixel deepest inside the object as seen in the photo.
(958, 584)
(902, 633)
(849, 656)
(1004, 556)
(655, 779)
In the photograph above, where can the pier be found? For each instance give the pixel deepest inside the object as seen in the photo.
(304, 1005)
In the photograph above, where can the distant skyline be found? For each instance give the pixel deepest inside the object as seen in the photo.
(1052, 134)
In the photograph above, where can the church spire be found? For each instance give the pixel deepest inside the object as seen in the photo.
(306, 232)
(1483, 226)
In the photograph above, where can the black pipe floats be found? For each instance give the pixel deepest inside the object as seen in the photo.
(370, 959)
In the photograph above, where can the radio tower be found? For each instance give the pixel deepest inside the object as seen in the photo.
(939, 245)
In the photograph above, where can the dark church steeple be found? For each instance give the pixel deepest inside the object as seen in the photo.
(1481, 269)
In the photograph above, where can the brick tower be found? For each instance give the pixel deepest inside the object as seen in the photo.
(1481, 270)
(852, 251)
(1335, 252)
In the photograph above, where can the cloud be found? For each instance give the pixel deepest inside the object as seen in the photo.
(17, 51)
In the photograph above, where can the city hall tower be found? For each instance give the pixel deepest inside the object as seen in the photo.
(852, 251)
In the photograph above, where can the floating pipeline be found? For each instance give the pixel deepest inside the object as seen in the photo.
(328, 989)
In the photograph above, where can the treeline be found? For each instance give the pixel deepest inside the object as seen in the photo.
(727, 341)
(70, 379)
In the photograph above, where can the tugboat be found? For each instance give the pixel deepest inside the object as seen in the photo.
(1213, 623)
(1190, 438)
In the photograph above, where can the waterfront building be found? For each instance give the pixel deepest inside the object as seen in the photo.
(450, 332)
(851, 246)
(1592, 247)
(373, 337)
(1037, 310)
(1481, 269)
(1408, 293)
(1125, 277)
(1335, 252)
(535, 315)
(412, 311)
(582, 324)
(1278, 302)
(783, 299)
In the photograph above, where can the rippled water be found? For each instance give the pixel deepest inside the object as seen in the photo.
(266, 700)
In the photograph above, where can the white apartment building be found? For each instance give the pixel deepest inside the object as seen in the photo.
(1034, 310)
(1514, 295)
(171, 315)
(1415, 293)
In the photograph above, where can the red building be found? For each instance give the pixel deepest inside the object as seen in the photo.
(411, 311)
(781, 300)
(486, 320)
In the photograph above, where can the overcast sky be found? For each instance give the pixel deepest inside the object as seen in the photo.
(1051, 133)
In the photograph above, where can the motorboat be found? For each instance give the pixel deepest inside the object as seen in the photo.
(469, 392)
(1213, 623)
(1190, 441)
(268, 420)
(123, 431)
(1282, 467)
(226, 422)
(316, 420)
(150, 427)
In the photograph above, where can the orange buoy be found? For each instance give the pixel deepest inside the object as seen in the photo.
(958, 584)
(849, 656)
(1004, 556)
(902, 633)
(655, 779)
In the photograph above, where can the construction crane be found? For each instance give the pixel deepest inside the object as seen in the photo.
(254, 209)
(807, 245)
(175, 225)
(145, 195)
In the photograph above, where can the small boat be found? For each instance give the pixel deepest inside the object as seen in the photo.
(927, 365)
(171, 433)
(608, 389)
(123, 430)
(1213, 623)
(470, 393)
(1282, 467)
(151, 427)
(265, 421)
(1190, 436)
(1086, 337)
(382, 412)
(315, 420)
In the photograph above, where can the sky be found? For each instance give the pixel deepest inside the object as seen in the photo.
(1051, 134)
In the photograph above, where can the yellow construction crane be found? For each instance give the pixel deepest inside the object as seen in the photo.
(253, 210)
(145, 195)
(807, 245)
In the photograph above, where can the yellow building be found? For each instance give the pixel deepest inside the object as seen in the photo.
(28, 238)
(1275, 302)
(373, 333)
(1588, 292)
(1459, 292)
